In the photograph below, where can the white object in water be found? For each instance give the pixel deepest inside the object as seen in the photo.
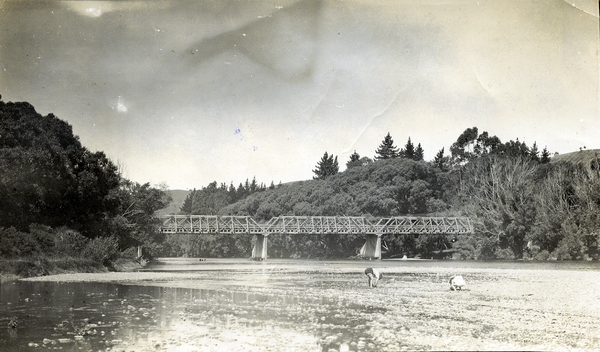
(456, 282)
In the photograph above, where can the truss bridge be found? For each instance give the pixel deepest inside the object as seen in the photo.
(204, 224)
(310, 225)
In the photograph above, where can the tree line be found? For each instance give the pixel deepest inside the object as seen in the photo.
(59, 198)
(522, 205)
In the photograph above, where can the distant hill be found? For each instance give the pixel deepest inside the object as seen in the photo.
(583, 157)
(178, 196)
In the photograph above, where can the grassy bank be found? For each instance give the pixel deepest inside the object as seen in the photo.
(17, 268)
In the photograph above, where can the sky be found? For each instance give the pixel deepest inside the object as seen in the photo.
(190, 92)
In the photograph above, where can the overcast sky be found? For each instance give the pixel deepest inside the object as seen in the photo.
(189, 92)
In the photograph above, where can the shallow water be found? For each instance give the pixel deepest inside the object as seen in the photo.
(229, 305)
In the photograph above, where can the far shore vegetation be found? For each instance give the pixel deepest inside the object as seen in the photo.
(67, 209)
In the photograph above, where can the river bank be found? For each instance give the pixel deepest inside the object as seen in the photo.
(326, 306)
(21, 268)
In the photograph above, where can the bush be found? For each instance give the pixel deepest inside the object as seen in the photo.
(129, 253)
(505, 254)
(542, 255)
(102, 249)
(70, 243)
(14, 243)
(43, 236)
(569, 248)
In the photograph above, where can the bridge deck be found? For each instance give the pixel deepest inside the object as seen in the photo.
(206, 224)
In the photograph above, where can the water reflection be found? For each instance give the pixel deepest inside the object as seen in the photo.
(97, 316)
(281, 305)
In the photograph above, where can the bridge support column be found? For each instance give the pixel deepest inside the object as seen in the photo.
(259, 252)
(372, 248)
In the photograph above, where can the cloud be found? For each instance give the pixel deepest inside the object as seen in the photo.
(283, 42)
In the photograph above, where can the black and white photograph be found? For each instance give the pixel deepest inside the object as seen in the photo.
(299, 175)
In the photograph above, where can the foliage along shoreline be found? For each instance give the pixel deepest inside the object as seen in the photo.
(61, 200)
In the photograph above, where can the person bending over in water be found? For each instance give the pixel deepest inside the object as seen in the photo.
(456, 283)
(373, 276)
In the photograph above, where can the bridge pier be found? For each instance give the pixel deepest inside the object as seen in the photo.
(259, 252)
(372, 248)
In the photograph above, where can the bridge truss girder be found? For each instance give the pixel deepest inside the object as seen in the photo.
(206, 224)
(311, 225)
(423, 225)
(294, 225)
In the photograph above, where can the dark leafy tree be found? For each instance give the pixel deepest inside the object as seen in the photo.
(545, 158)
(486, 144)
(354, 160)
(327, 166)
(419, 153)
(387, 149)
(408, 151)
(534, 153)
(439, 160)
(210, 199)
(462, 149)
(515, 149)
(47, 176)
(231, 190)
(188, 203)
(365, 160)
(53, 186)
(136, 218)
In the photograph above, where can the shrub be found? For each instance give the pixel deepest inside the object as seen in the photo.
(69, 242)
(102, 249)
(129, 253)
(43, 236)
(542, 255)
(14, 243)
(504, 254)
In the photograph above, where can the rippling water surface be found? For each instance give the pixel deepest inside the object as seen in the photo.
(230, 305)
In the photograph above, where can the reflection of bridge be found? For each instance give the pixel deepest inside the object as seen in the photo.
(310, 225)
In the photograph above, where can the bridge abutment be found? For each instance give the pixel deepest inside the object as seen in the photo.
(372, 248)
(259, 252)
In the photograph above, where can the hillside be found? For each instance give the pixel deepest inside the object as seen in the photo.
(178, 196)
(583, 157)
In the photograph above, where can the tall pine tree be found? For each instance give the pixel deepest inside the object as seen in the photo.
(409, 150)
(386, 149)
(534, 153)
(440, 160)
(327, 166)
(419, 153)
(545, 156)
(354, 160)
(188, 203)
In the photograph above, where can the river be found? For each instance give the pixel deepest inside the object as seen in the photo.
(303, 305)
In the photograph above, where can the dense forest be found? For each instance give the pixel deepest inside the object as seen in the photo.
(61, 200)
